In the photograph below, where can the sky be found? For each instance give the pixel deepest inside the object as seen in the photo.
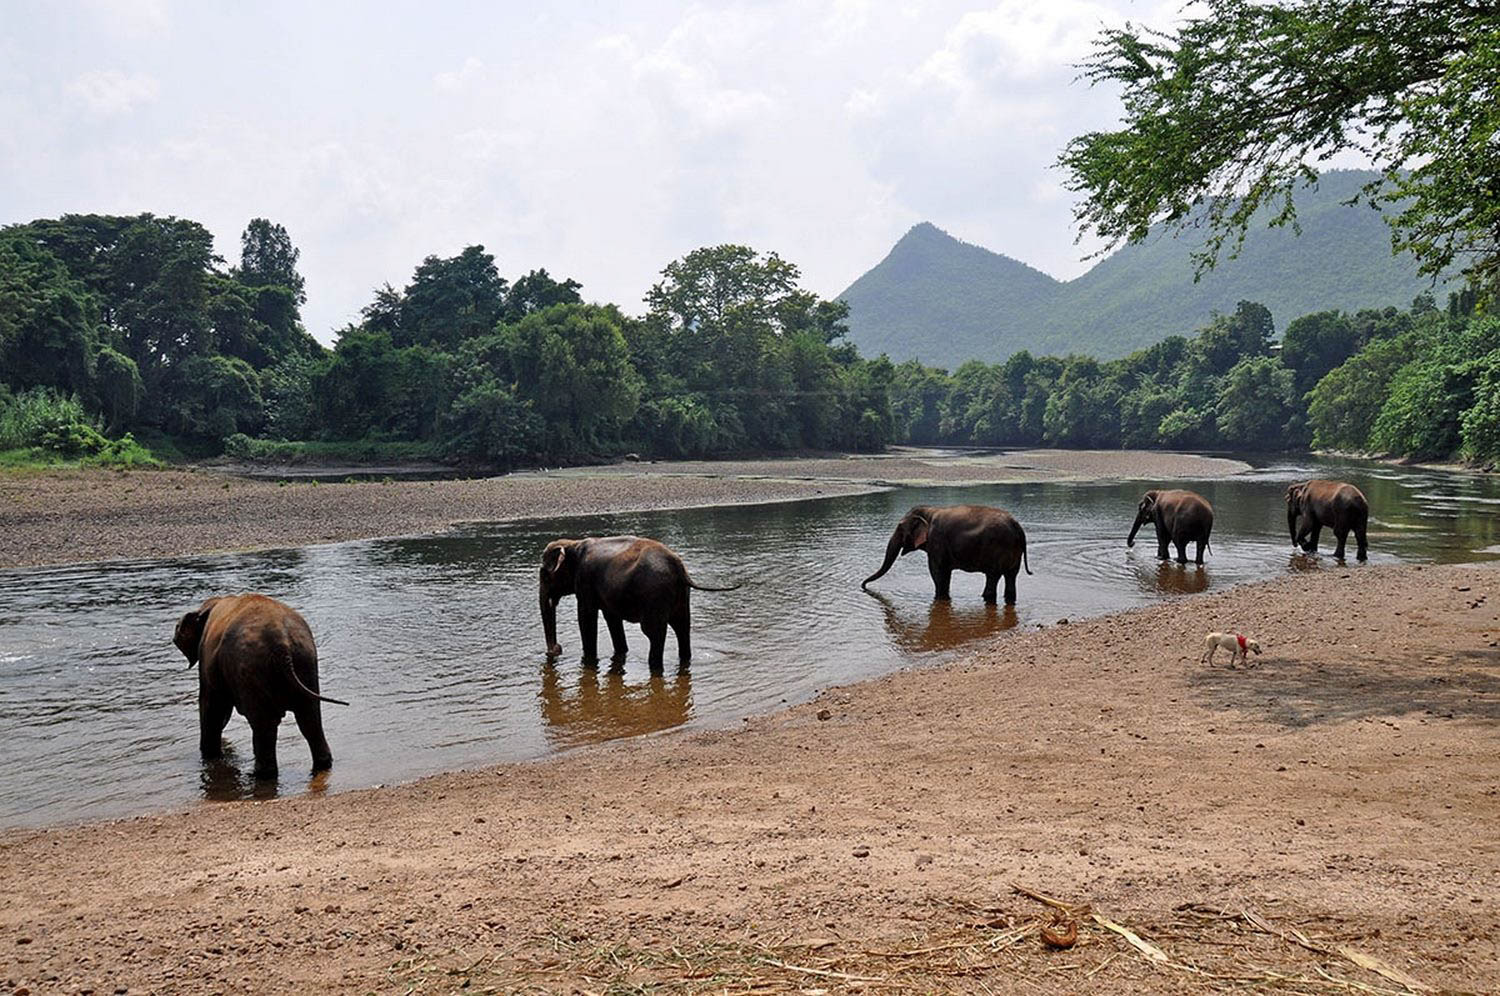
(597, 140)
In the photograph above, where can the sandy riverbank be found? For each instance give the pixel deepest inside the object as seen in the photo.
(1344, 791)
(73, 516)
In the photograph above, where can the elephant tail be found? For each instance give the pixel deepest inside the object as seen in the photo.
(704, 587)
(1025, 560)
(292, 674)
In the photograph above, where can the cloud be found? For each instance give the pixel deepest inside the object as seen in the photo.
(457, 80)
(109, 91)
(597, 141)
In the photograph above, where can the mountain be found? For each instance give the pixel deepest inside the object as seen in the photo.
(944, 301)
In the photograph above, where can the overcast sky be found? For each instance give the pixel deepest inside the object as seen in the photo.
(598, 140)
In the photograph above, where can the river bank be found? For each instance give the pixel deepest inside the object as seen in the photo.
(74, 516)
(1342, 792)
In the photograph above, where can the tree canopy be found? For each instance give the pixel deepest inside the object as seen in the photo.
(1234, 110)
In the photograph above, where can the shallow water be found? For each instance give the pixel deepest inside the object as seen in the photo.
(437, 643)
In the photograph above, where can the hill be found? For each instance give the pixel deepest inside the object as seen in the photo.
(944, 301)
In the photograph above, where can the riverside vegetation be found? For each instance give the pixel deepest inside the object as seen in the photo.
(114, 329)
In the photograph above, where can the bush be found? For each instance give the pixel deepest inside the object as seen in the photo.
(32, 417)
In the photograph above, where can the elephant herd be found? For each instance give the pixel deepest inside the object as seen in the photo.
(256, 655)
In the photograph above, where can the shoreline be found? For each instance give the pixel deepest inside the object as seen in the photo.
(1358, 758)
(82, 516)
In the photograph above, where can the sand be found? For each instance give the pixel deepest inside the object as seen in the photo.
(1342, 792)
(73, 516)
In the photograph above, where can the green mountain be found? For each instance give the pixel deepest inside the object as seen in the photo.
(944, 301)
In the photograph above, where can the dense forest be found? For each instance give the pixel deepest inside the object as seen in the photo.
(132, 325)
(119, 329)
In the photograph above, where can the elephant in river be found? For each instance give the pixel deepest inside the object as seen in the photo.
(629, 579)
(1342, 507)
(973, 538)
(255, 655)
(1180, 517)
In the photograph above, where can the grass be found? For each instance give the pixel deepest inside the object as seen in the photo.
(25, 459)
(315, 452)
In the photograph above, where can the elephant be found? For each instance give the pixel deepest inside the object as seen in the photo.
(1181, 517)
(972, 538)
(629, 579)
(1312, 505)
(256, 655)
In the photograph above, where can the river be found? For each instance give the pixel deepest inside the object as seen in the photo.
(437, 643)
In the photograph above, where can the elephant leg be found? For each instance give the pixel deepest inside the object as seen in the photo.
(942, 576)
(616, 634)
(265, 747)
(588, 629)
(655, 628)
(310, 722)
(1201, 544)
(1340, 533)
(1313, 533)
(991, 582)
(1010, 585)
(1359, 539)
(682, 629)
(1161, 544)
(1181, 545)
(213, 716)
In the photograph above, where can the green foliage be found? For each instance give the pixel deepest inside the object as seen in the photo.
(114, 325)
(268, 259)
(1224, 114)
(41, 426)
(488, 424)
(213, 396)
(1257, 403)
(1480, 425)
(450, 300)
(344, 451)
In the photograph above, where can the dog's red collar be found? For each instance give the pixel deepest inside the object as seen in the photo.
(1240, 637)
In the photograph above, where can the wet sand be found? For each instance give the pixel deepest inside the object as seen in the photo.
(75, 516)
(1323, 821)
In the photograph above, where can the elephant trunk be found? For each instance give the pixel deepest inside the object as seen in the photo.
(1291, 522)
(892, 551)
(1140, 520)
(549, 622)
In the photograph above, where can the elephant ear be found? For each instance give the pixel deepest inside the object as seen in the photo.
(919, 529)
(188, 636)
(555, 560)
(1294, 493)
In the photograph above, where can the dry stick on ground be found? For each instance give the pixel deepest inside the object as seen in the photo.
(1291, 934)
(1368, 962)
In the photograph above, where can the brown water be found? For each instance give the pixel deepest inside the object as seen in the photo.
(437, 644)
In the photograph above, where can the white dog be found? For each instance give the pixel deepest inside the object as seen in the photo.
(1238, 645)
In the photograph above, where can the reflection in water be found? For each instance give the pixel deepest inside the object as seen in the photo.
(1174, 579)
(223, 780)
(605, 710)
(437, 640)
(941, 626)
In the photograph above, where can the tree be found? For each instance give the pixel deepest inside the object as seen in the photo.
(47, 321)
(1257, 407)
(1343, 406)
(1227, 114)
(536, 291)
(118, 385)
(1315, 344)
(450, 300)
(268, 258)
(571, 365)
